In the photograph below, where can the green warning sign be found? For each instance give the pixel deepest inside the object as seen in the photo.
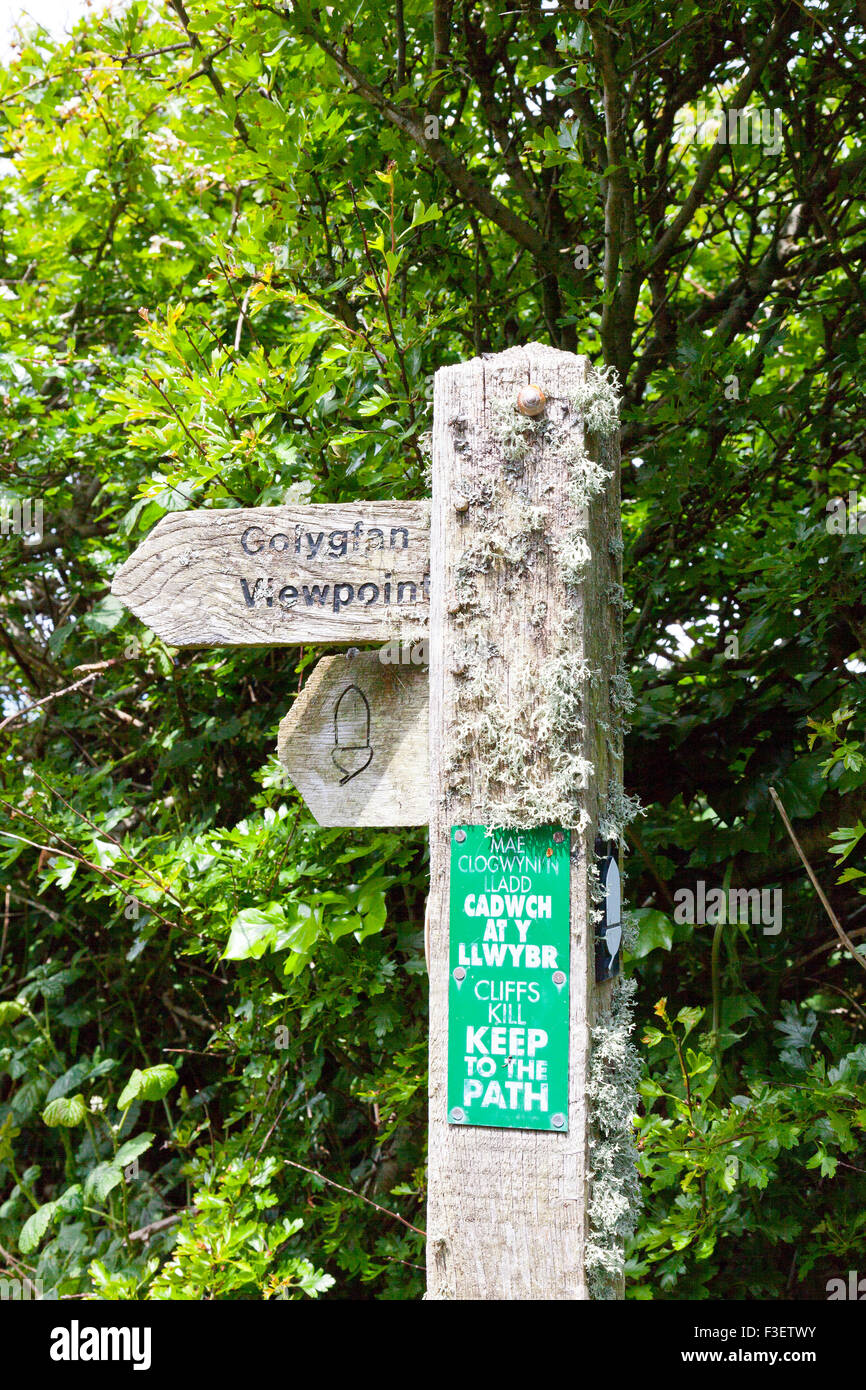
(509, 978)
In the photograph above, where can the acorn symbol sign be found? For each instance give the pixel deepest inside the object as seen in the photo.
(352, 751)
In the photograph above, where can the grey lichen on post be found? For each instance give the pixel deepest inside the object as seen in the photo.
(505, 734)
(615, 1192)
(619, 811)
(543, 715)
(527, 711)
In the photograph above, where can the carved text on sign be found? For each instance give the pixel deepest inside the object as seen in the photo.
(281, 575)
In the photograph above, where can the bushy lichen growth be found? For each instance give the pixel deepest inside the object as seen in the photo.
(529, 769)
(617, 598)
(425, 449)
(592, 409)
(587, 477)
(597, 400)
(615, 1190)
(621, 693)
(615, 1067)
(511, 546)
(527, 742)
(622, 703)
(515, 433)
(573, 554)
(619, 811)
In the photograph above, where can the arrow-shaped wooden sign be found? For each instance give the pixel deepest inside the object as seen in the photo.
(278, 576)
(355, 741)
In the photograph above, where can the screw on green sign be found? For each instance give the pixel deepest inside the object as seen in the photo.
(508, 987)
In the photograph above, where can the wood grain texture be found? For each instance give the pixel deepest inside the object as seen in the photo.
(507, 1208)
(355, 742)
(278, 576)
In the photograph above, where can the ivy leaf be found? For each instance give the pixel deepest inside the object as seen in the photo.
(655, 931)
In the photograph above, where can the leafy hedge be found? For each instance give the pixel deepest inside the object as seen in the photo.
(229, 264)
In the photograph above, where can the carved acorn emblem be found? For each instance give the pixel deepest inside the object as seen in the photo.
(531, 400)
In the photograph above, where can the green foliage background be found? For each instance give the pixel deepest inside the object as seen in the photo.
(233, 250)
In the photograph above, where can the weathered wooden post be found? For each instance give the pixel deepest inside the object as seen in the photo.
(525, 735)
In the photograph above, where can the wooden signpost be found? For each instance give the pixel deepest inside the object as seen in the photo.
(519, 573)
(521, 662)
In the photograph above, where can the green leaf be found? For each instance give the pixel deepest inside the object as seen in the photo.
(35, 1226)
(689, 1018)
(105, 615)
(655, 931)
(102, 1180)
(69, 1204)
(69, 1080)
(151, 1084)
(66, 1111)
(252, 932)
(373, 905)
(133, 1148)
(697, 1062)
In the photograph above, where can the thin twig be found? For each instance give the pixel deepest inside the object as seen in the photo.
(100, 830)
(145, 1232)
(67, 849)
(352, 1193)
(6, 914)
(13, 1263)
(55, 695)
(839, 929)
